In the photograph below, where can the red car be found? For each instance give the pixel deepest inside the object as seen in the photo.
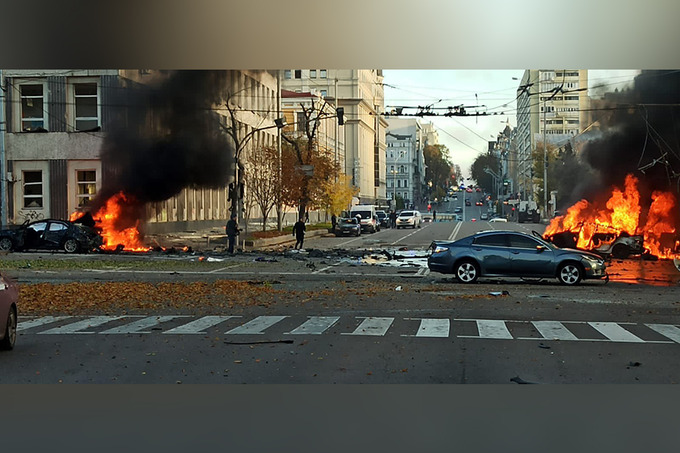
(9, 295)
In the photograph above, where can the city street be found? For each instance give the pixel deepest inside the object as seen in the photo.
(346, 310)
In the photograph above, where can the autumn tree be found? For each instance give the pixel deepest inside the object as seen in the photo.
(261, 176)
(338, 194)
(306, 167)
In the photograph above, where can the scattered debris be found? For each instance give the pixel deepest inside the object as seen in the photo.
(264, 259)
(499, 293)
(633, 364)
(398, 288)
(542, 346)
(519, 380)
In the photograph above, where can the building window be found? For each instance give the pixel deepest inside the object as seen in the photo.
(86, 182)
(323, 73)
(32, 107)
(312, 73)
(33, 189)
(287, 74)
(398, 182)
(405, 183)
(324, 93)
(86, 102)
(298, 73)
(301, 121)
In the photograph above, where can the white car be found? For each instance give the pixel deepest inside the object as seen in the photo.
(498, 219)
(409, 218)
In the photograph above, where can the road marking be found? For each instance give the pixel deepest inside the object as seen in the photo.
(669, 331)
(225, 268)
(553, 330)
(372, 326)
(491, 329)
(138, 326)
(256, 326)
(408, 235)
(455, 231)
(433, 328)
(80, 326)
(615, 332)
(198, 326)
(423, 272)
(24, 325)
(315, 325)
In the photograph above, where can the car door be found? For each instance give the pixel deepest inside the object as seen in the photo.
(530, 257)
(34, 235)
(492, 253)
(54, 235)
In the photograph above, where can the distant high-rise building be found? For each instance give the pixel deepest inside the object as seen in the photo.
(551, 103)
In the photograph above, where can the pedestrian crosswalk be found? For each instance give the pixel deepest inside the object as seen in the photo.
(352, 326)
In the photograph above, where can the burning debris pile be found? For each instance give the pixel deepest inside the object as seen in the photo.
(165, 137)
(621, 227)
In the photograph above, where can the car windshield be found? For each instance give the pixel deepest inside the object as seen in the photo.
(352, 221)
(407, 214)
(364, 214)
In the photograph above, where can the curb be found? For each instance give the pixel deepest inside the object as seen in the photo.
(283, 239)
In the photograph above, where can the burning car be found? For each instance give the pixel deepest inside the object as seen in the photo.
(606, 244)
(50, 234)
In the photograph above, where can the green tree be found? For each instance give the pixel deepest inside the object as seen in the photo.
(438, 167)
(478, 173)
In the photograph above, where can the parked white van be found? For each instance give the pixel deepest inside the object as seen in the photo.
(369, 219)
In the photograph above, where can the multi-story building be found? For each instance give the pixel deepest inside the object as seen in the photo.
(360, 93)
(58, 122)
(552, 106)
(405, 162)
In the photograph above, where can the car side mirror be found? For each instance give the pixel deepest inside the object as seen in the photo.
(540, 248)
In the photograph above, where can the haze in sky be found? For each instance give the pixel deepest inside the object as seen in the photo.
(490, 91)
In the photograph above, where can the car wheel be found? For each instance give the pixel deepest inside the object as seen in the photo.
(621, 251)
(6, 244)
(10, 339)
(466, 272)
(71, 246)
(569, 274)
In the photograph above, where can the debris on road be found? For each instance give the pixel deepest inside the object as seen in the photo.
(519, 380)
(499, 293)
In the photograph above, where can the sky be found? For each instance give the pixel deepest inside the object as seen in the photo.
(493, 91)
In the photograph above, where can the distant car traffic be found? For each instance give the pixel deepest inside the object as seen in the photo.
(458, 210)
(512, 254)
(498, 219)
(409, 218)
(50, 234)
(9, 296)
(483, 216)
(479, 203)
(347, 226)
(383, 218)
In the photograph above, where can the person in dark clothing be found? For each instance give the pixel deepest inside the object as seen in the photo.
(334, 221)
(434, 216)
(299, 232)
(232, 231)
(393, 219)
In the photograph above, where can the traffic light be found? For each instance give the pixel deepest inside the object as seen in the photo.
(341, 118)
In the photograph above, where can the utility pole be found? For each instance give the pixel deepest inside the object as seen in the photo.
(3, 158)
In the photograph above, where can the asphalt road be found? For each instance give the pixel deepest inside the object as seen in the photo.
(343, 312)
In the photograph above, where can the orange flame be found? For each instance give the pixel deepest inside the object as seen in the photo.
(622, 213)
(106, 219)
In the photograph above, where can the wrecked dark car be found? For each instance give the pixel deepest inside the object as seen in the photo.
(50, 234)
(605, 244)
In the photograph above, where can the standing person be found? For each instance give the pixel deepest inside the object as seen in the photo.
(299, 232)
(334, 221)
(393, 219)
(434, 215)
(232, 231)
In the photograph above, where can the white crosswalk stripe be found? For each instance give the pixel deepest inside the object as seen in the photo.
(198, 326)
(553, 330)
(29, 324)
(79, 327)
(490, 328)
(139, 326)
(315, 325)
(615, 332)
(256, 326)
(372, 326)
(672, 332)
(434, 328)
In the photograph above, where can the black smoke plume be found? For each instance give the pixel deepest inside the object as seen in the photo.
(163, 137)
(640, 135)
